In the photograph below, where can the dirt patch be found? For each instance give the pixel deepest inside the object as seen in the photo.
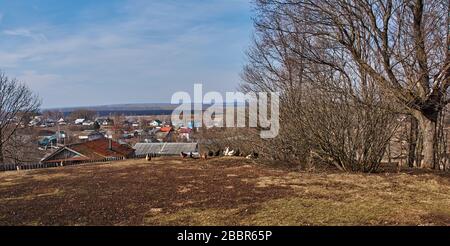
(124, 193)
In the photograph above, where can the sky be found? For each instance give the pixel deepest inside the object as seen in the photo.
(98, 52)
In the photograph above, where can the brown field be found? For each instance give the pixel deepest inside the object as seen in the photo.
(226, 191)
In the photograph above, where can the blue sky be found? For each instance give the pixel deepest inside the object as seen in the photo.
(95, 52)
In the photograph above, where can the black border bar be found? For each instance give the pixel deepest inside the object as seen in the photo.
(127, 235)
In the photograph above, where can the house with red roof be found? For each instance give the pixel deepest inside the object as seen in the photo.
(96, 150)
(166, 129)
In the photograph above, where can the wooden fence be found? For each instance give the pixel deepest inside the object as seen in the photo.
(29, 166)
(26, 166)
(145, 155)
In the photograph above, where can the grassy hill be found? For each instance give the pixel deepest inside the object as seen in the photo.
(225, 191)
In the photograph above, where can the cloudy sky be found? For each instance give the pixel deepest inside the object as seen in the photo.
(84, 52)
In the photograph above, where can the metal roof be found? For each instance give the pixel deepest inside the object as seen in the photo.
(165, 148)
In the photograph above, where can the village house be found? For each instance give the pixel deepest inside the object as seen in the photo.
(156, 123)
(164, 134)
(62, 122)
(35, 121)
(90, 135)
(96, 150)
(48, 142)
(50, 139)
(47, 123)
(185, 133)
(105, 121)
(79, 121)
(166, 129)
(88, 123)
(128, 135)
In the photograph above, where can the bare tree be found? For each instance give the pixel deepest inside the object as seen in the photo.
(402, 45)
(331, 108)
(16, 101)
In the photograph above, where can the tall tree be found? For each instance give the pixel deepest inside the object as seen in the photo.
(16, 101)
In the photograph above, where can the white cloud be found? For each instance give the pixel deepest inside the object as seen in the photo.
(38, 81)
(22, 32)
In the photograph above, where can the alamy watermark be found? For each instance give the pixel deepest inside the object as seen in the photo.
(231, 112)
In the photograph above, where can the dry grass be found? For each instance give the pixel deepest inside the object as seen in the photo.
(225, 191)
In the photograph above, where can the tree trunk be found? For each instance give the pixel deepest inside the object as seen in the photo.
(427, 126)
(412, 141)
(2, 158)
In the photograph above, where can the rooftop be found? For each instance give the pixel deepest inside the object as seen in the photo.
(165, 148)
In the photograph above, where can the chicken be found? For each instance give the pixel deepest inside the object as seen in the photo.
(183, 155)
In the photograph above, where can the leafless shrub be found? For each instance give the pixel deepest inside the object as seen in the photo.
(350, 134)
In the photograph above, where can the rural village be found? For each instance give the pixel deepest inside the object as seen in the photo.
(56, 140)
(356, 93)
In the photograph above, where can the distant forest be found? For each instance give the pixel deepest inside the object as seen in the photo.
(130, 109)
(128, 112)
